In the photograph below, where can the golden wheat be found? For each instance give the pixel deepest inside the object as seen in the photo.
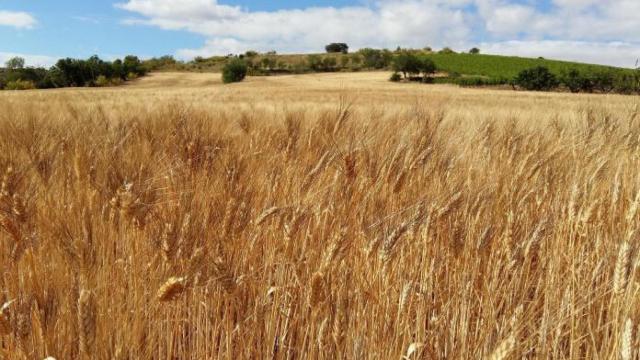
(382, 221)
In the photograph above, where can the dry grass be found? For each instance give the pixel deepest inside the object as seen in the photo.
(328, 216)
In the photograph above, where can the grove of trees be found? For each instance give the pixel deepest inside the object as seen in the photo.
(410, 64)
(70, 72)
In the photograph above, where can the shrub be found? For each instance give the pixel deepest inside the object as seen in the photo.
(395, 77)
(234, 71)
(337, 48)
(575, 81)
(447, 50)
(538, 79)
(604, 80)
(20, 85)
(376, 59)
(251, 54)
(132, 76)
(314, 62)
(102, 81)
(329, 63)
(344, 61)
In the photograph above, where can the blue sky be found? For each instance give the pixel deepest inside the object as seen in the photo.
(601, 31)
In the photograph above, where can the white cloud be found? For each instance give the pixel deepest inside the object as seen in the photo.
(611, 53)
(604, 31)
(17, 19)
(385, 24)
(30, 60)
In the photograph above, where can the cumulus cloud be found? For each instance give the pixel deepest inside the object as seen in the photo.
(614, 53)
(30, 60)
(17, 19)
(604, 31)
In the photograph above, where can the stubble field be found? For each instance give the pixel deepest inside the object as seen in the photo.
(332, 216)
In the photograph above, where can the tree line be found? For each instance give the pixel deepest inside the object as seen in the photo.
(70, 72)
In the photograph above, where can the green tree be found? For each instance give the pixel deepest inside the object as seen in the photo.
(132, 64)
(474, 51)
(427, 68)
(538, 79)
(15, 63)
(376, 59)
(337, 48)
(315, 62)
(234, 71)
(407, 63)
(576, 81)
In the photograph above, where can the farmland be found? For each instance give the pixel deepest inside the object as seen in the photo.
(317, 216)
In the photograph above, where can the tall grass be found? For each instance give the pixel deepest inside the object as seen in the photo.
(179, 233)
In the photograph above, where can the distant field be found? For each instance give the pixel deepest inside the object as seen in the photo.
(317, 216)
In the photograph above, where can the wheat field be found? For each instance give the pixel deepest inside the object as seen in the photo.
(333, 216)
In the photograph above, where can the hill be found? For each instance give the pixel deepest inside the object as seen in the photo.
(493, 66)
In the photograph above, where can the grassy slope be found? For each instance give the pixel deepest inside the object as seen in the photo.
(504, 66)
(494, 66)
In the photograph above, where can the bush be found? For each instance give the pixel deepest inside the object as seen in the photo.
(102, 81)
(329, 63)
(447, 50)
(575, 81)
(20, 85)
(314, 62)
(395, 77)
(337, 48)
(376, 59)
(538, 79)
(234, 71)
(604, 80)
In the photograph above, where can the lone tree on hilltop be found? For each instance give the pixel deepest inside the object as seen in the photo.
(337, 48)
(474, 51)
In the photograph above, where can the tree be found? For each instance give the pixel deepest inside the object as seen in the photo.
(427, 68)
(337, 48)
(447, 50)
(407, 63)
(234, 71)
(133, 65)
(575, 81)
(604, 80)
(376, 59)
(474, 51)
(15, 63)
(538, 78)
